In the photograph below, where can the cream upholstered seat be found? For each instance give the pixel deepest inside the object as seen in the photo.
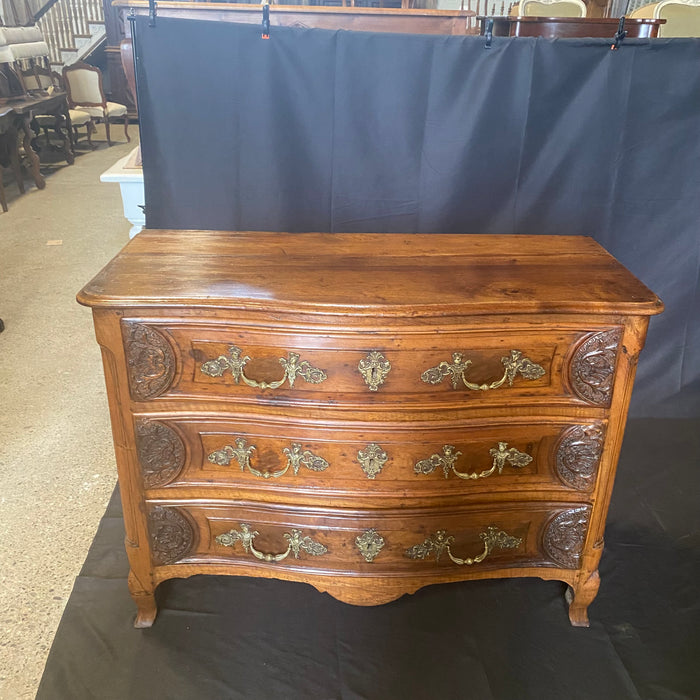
(682, 17)
(37, 78)
(552, 8)
(83, 84)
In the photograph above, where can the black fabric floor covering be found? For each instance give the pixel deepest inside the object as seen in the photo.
(249, 639)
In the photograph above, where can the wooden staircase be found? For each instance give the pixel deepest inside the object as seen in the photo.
(73, 29)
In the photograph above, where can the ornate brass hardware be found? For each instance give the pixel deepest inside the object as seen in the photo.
(372, 459)
(439, 543)
(297, 541)
(242, 453)
(370, 543)
(293, 368)
(374, 369)
(514, 363)
(449, 456)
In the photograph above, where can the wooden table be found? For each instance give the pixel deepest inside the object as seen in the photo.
(16, 116)
(571, 27)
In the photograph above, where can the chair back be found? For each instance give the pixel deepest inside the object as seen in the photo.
(83, 84)
(552, 8)
(682, 18)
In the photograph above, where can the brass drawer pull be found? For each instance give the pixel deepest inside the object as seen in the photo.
(440, 542)
(514, 363)
(295, 539)
(449, 456)
(242, 453)
(235, 363)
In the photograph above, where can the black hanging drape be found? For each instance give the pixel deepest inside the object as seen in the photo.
(316, 130)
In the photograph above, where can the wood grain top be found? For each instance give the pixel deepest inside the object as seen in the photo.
(392, 274)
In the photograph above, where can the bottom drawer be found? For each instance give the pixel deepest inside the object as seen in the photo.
(410, 542)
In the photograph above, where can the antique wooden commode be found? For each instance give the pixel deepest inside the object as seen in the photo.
(367, 413)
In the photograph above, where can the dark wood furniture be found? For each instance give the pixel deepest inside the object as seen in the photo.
(367, 413)
(571, 27)
(16, 117)
(368, 19)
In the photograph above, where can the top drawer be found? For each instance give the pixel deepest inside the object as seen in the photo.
(509, 364)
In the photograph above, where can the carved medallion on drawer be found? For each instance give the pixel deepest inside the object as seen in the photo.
(296, 541)
(578, 456)
(440, 542)
(171, 534)
(161, 453)
(291, 365)
(565, 535)
(592, 368)
(150, 361)
(513, 364)
(447, 460)
(370, 543)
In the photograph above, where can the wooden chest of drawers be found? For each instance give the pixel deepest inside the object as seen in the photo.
(367, 413)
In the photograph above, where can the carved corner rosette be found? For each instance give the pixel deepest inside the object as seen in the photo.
(150, 361)
(160, 451)
(592, 368)
(578, 456)
(171, 535)
(565, 535)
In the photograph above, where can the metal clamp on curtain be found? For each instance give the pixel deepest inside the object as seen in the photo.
(488, 32)
(266, 20)
(620, 34)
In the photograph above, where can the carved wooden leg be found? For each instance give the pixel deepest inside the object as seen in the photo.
(126, 128)
(109, 138)
(13, 135)
(580, 597)
(145, 602)
(584, 590)
(32, 157)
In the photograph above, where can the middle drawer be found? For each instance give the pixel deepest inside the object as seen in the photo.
(382, 458)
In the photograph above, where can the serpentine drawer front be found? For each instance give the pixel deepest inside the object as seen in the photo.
(480, 365)
(447, 408)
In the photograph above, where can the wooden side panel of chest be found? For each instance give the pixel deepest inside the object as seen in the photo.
(370, 452)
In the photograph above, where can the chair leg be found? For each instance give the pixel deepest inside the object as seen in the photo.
(126, 128)
(3, 201)
(90, 129)
(109, 140)
(16, 165)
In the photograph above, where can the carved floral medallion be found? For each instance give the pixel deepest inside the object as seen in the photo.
(161, 453)
(171, 535)
(565, 535)
(592, 369)
(150, 361)
(578, 456)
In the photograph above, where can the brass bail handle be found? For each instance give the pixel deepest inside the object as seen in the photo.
(235, 362)
(242, 453)
(514, 363)
(296, 540)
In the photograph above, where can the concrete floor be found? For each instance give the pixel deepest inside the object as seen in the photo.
(56, 461)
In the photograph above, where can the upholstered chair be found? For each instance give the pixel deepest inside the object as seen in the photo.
(549, 8)
(682, 17)
(83, 84)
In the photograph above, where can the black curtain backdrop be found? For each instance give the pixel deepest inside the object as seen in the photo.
(316, 130)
